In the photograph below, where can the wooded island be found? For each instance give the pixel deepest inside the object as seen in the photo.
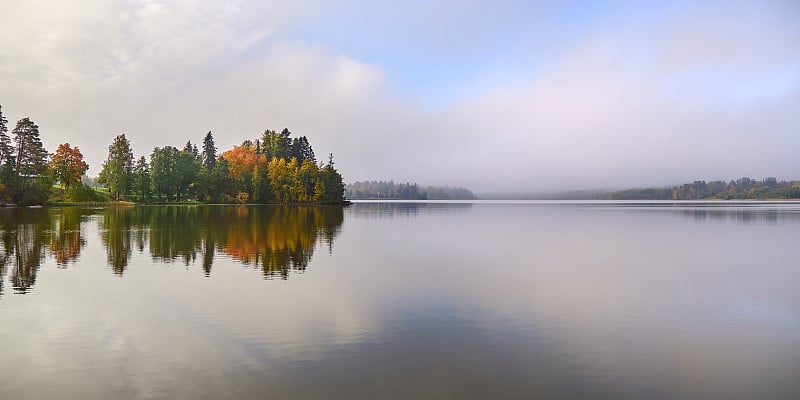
(274, 168)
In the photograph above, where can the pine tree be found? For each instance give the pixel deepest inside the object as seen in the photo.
(209, 153)
(333, 185)
(6, 150)
(302, 150)
(31, 154)
(192, 149)
(7, 160)
(30, 164)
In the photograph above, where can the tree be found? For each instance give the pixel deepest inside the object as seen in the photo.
(241, 164)
(163, 167)
(7, 160)
(117, 173)
(222, 183)
(187, 166)
(31, 155)
(307, 174)
(301, 149)
(68, 165)
(280, 180)
(276, 145)
(31, 164)
(192, 149)
(141, 179)
(332, 185)
(209, 153)
(262, 192)
(6, 150)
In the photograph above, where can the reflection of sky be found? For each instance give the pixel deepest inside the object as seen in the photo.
(577, 301)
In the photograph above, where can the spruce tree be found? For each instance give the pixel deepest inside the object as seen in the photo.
(6, 150)
(209, 153)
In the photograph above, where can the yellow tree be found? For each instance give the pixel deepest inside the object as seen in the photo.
(279, 179)
(307, 175)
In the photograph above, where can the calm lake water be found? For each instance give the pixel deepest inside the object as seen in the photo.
(402, 300)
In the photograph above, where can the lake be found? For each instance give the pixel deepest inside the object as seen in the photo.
(604, 300)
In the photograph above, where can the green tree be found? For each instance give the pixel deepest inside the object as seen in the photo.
(223, 186)
(141, 179)
(117, 173)
(332, 185)
(192, 149)
(31, 164)
(163, 170)
(262, 191)
(276, 145)
(7, 161)
(209, 153)
(187, 167)
(301, 149)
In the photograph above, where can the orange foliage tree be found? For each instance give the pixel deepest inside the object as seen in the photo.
(242, 162)
(68, 165)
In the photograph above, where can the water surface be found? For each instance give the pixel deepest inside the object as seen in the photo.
(402, 300)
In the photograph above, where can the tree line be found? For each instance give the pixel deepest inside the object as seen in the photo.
(739, 189)
(274, 168)
(405, 191)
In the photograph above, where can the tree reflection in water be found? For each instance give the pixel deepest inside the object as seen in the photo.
(24, 238)
(274, 239)
(66, 238)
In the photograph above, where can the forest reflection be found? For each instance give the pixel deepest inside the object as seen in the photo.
(275, 239)
(27, 236)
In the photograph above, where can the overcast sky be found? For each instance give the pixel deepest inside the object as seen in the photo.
(492, 95)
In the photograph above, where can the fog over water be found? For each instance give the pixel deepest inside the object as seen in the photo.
(495, 97)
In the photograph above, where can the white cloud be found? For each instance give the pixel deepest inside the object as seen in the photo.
(692, 96)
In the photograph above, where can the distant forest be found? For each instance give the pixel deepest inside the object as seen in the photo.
(740, 189)
(363, 190)
(273, 168)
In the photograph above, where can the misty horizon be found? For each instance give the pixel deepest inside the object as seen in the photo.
(507, 97)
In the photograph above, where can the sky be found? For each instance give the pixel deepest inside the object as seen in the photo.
(494, 96)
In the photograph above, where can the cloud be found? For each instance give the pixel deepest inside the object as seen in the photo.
(702, 92)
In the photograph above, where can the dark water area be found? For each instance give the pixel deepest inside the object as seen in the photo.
(605, 300)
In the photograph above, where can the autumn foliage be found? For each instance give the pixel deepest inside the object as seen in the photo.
(68, 165)
(242, 161)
